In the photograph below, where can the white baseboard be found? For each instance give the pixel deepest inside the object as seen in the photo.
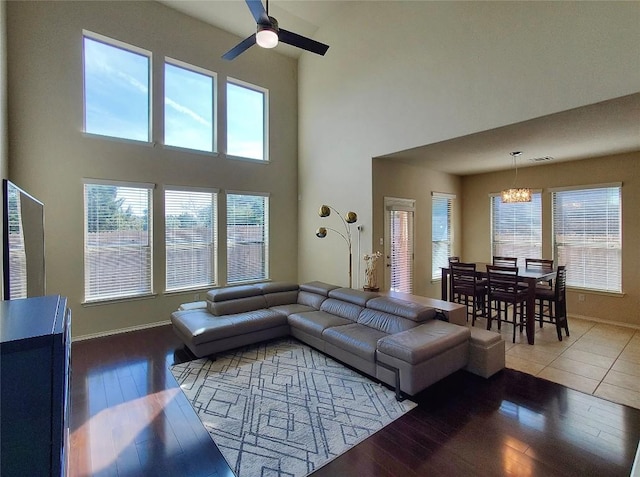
(635, 470)
(600, 320)
(121, 330)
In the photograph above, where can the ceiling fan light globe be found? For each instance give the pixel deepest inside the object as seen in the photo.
(267, 38)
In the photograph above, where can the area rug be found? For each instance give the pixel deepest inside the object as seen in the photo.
(281, 408)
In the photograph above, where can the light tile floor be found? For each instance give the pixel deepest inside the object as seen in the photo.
(598, 358)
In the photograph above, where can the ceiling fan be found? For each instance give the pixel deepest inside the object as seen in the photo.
(268, 34)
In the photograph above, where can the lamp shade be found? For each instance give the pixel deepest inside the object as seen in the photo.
(266, 37)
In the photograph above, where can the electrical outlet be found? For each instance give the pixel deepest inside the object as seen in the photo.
(381, 241)
(196, 297)
(581, 298)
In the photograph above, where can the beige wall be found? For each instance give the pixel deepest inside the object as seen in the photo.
(444, 70)
(476, 223)
(49, 156)
(404, 181)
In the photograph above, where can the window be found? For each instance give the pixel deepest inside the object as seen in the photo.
(441, 232)
(188, 107)
(190, 238)
(399, 220)
(247, 237)
(116, 89)
(587, 236)
(516, 229)
(117, 240)
(247, 113)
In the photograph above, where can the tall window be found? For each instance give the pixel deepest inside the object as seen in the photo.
(117, 240)
(247, 237)
(116, 88)
(587, 236)
(190, 237)
(247, 120)
(441, 232)
(399, 220)
(188, 106)
(516, 229)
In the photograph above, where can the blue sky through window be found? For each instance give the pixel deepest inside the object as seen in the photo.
(188, 108)
(117, 102)
(245, 122)
(116, 89)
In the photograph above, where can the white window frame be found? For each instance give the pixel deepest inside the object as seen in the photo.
(265, 265)
(265, 120)
(214, 105)
(576, 278)
(130, 48)
(148, 291)
(436, 265)
(213, 264)
(532, 244)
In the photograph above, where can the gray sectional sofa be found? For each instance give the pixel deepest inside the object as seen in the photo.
(397, 342)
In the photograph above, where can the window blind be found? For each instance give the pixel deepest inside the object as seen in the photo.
(587, 237)
(117, 241)
(441, 233)
(17, 251)
(516, 229)
(247, 237)
(401, 222)
(190, 238)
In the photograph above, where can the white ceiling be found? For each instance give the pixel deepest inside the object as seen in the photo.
(605, 128)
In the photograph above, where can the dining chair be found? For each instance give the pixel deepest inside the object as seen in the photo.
(505, 261)
(504, 292)
(544, 265)
(556, 298)
(452, 259)
(468, 289)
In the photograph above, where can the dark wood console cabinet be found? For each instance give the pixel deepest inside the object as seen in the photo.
(35, 352)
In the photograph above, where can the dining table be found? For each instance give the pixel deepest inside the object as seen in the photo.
(530, 276)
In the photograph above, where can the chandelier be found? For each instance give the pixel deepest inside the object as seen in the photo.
(515, 194)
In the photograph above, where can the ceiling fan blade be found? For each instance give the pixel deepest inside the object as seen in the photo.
(240, 47)
(258, 12)
(303, 42)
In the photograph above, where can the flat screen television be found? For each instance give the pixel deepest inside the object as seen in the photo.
(22, 243)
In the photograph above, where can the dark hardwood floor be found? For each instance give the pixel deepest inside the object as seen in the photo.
(129, 418)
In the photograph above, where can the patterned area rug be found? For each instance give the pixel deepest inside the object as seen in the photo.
(283, 409)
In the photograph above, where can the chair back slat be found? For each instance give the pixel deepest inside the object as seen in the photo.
(463, 276)
(502, 280)
(539, 264)
(505, 261)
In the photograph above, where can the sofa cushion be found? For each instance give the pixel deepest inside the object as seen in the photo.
(292, 308)
(357, 297)
(384, 321)
(341, 308)
(315, 322)
(276, 287)
(319, 288)
(358, 339)
(236, 305)
(204, 327)
(405, 309)
(281, 298)
(424, 341)
(313, 300)
(229, 293)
